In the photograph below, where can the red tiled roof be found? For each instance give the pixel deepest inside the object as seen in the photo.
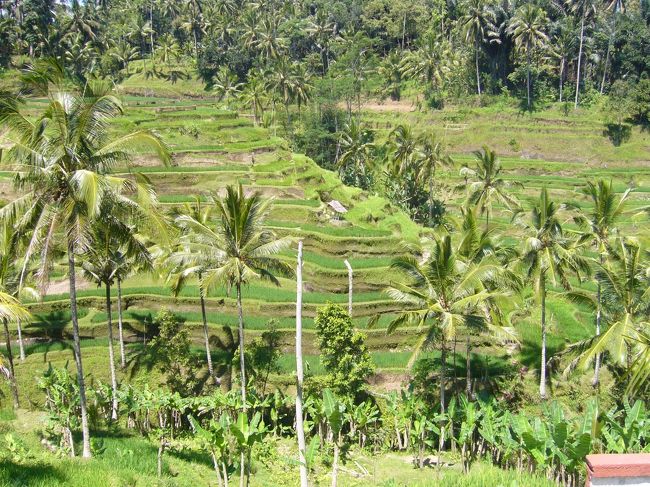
(615, 465)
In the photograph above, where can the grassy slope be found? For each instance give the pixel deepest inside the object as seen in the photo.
(130, 460)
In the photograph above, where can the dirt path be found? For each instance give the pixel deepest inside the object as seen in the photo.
(61, 287)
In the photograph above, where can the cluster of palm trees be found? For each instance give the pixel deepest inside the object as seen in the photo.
(283, 82)
(71, 204)
(408, 159)
(481, 39)
(466, 282)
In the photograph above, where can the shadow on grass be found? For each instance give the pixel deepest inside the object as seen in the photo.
(617, 133)
(30, 474)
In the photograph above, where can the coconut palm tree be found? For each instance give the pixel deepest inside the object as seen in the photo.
(443, 294)
(548, 257)
(430, 63)
(597, 224)
(527, 28)
(64, 180)
(402, 146)
(226, 85)
(10, 307)
(188, 260)
(624, 280)
(489, 186)
(254, 94)
(476, 246)
(430, 157)
(478, 25)
(111, 236)
(238, 248)
(562, 46)
(357, 148)
(586, 9)
(322, 31)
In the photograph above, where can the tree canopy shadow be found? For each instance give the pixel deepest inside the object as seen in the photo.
(30, 474)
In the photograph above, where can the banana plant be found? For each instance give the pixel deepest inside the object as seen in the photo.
(214, 438)
(334, 412)
(361, 417)
(471, 414)
(62, 403)
(247, 433)
(422, 437)
(627, 430)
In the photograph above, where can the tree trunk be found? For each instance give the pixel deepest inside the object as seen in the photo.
(225, 474)
(111, 353)
(349, 267)
(582, 37)
(599, 312)
(21, 345)
(443, 375)
(85, 430)
(10, 358)
(242, 469)
(561, 78)
(300, 431)
(161, 450)
(217, 469)
(478, 74)
(120, 331)
(528, 78)
(206, 336)
(468, 371)
(542, 374)
(433, 175)
(335, 464)
(242, 358)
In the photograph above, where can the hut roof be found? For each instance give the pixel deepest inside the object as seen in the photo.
(337, 206)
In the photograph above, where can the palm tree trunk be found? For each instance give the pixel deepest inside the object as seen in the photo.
(206, 336)
(300, 431)
(478, 75)
(433, 175)
(599, 312)
(21, 345)
(349, 267)
(528, 78)
(542, 374)
(609, 48)
(468, 372)
(85, 430)
(10, 358)
(582, 37)
(120, 331)
(111, 353)
(443, 373)
(242, 358)
(561, 78)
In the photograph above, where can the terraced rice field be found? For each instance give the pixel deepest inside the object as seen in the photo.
(214, 147)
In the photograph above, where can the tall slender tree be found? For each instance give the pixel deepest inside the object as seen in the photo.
(478, 24)
(597, 225)
(586, 9)
(527, 28)
(64, 179)
(188, 260)
(441, 295)
(489, 185)
(239, 249)
(431, 156)
(548, 257)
